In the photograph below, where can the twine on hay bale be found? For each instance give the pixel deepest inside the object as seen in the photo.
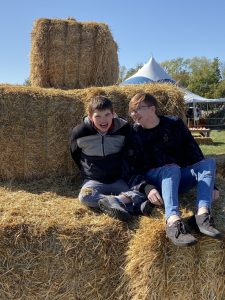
(68, 54)
(37, 124)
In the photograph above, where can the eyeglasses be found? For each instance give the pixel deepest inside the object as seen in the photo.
(138, 110)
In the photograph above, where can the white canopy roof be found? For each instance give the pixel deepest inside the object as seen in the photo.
(150, 72)
(190, 97)
(153, 72)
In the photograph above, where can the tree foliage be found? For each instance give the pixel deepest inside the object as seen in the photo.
(122, 74)
(178, 69)
(125, 73)
(132, 71)
(203, 76)
(27, 82)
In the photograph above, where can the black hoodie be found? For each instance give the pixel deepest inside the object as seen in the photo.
(99, 156)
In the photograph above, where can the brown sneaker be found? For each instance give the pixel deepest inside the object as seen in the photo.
(178, 234)
(206, 225)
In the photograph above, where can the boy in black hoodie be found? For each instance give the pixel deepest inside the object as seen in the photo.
(97, 146)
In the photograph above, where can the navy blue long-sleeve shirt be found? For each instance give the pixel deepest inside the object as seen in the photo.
(167, 143)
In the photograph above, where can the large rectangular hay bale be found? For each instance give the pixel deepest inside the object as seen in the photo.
(36, 124)
(52, 247)
(157, 269)
(68, 54)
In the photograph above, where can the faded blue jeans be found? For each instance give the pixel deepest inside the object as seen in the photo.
(172, 179)
(92, 191)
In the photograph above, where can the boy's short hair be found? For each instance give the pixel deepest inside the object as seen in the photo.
(99, 103)
(147, 98)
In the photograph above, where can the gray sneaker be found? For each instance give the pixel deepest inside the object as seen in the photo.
(114, 208)
(178, 234)
(206, 225)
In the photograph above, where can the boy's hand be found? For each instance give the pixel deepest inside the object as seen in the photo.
(155, 198)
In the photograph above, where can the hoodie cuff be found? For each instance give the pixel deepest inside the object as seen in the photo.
(148, 188)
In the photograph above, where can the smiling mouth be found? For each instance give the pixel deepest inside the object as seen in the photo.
(104, 125)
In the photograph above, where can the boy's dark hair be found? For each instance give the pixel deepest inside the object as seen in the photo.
(99, 103)
(147, 98)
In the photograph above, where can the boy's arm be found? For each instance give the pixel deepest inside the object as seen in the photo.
(190, 145)
(138, 183)
(75, 150)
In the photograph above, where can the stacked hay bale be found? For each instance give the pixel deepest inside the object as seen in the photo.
(68, 54)
(52, 247)
(37, 123)
(156, 269)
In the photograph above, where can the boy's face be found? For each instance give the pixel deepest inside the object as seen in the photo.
(102, 119)
(143, 114)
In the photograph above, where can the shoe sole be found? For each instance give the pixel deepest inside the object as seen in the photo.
(114, 213)
(208, 233)
(183, 244)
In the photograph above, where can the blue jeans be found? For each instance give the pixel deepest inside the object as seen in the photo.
(171, 179)
(92, 191)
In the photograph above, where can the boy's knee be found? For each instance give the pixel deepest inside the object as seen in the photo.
(86, 195)
(171, 170)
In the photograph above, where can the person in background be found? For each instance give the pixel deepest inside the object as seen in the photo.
(164, 151)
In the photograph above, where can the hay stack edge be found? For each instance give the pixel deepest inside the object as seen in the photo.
(52, 247)
(67, 54)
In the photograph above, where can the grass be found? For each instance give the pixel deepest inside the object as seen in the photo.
(218, 146)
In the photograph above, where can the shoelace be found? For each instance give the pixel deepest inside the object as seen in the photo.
(210, 220)
(180, 229)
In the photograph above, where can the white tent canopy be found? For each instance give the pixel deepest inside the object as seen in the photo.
(153, 72)
(150, 72)
(190, 97)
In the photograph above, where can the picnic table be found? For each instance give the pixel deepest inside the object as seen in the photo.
(205, 132)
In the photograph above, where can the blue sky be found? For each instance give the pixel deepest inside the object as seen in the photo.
(166, 29)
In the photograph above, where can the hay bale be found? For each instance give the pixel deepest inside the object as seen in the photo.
(68, 54)
(156, 269)
(37, 123)
(145, 274)
(52, 247)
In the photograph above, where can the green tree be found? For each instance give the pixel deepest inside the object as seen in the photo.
(178, 69)
(205, 76)
(27, 82)
(122, 74)
(222, 70)
(220, 90)
(132, 71)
